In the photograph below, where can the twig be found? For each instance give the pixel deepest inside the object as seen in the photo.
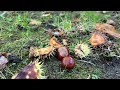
(87, 62)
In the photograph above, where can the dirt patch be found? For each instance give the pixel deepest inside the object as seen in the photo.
(110, 69)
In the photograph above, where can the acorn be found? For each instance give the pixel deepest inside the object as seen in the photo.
(68, 62)
(62, 52)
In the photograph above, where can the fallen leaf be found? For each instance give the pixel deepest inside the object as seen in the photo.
(75, 20)
(45, 15)
(34, 22)
(14, 76)
(65, 42)
(107, 28)
(55, 43)
(31, 52)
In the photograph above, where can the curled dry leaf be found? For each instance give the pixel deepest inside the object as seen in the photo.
(53, 42)
(107, 28)
(31, 52)
(65, 42)
(45, 15)
(34, 22)
(4, 54)
(97, 39)
(31, 71)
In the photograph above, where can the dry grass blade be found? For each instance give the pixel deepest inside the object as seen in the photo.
(87, 62)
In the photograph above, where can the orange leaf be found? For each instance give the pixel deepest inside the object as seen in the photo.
(54, 43)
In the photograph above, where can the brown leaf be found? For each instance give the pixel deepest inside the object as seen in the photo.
(31, 52)
(65, 42)
(4, 54)
(55, 43)
(107, 28)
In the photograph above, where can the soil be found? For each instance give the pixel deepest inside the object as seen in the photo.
(110, 69)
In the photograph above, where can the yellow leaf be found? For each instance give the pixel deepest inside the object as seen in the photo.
(34, 22)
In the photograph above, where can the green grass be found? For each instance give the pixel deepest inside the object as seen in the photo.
(15, 41)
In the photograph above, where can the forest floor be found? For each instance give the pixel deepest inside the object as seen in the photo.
(17, 35)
